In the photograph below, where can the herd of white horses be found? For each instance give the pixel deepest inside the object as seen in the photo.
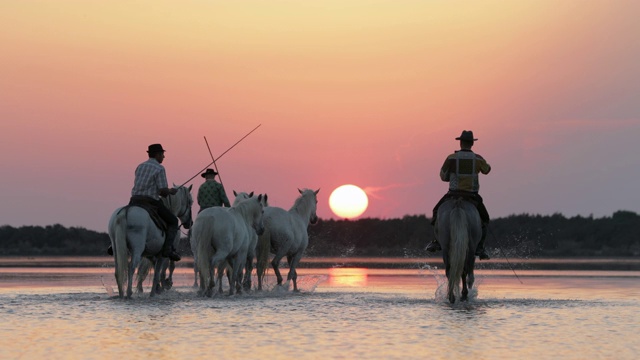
(229, 240)
(223, 240)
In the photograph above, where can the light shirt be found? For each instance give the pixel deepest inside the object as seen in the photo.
(149, 179)
(461, 170)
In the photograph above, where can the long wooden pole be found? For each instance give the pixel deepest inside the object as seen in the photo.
(221, 155)
(214, 162)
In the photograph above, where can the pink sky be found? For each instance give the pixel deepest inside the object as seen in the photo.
(370, 93)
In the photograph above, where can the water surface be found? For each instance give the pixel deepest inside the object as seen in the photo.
(59, 312)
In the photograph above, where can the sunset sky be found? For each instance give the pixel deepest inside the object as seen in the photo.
(361, 92)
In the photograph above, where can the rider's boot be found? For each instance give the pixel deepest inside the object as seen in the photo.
(110, 250)
(480, 250)
(167, 249)
(434, 246)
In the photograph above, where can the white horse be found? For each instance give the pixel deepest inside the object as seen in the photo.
(134, 233)
(286, 235)
(459, 231)
(250, 256)
(253, 243)
(223, 235)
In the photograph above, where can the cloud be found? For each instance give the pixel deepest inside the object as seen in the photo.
(373, 191)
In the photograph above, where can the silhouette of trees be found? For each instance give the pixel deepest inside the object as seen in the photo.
(516, 235)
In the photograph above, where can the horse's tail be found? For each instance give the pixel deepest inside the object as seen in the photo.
(458, 247)
(202, 233)
(262, 253)
(120, 251)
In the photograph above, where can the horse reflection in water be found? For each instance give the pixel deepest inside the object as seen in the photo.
(133, 233)
(223, 235)
(458, 231)
(286, 235)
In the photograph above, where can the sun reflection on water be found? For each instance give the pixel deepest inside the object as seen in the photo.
(353, 277)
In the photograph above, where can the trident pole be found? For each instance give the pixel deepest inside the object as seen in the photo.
(221, 155)
(214, 161)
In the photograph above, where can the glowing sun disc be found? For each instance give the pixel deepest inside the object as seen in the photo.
(348, 201)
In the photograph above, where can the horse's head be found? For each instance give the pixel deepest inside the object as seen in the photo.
(241, 196)
(183, 202)
(258, 223)
(310, 199)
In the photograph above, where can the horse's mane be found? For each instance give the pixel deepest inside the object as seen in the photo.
(188, 198)
(243, 207)
(302, 200)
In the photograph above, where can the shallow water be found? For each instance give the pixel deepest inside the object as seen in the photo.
(72, 313)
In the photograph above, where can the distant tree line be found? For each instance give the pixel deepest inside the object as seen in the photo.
(516, 236)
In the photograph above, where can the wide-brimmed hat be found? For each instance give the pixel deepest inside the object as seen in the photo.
(209, 172)
(466, 136)
(155, 148)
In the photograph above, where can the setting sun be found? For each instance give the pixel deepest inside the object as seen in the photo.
(348, 201)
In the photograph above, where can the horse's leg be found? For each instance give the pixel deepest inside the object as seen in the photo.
(447, 267)
(130, 280)
(229, 269)
(172, 267)
(275, 263)
(248, 269)
(135, 261)
(157, 274)
(167, 282)
(293, 265)
(222, 266)
(195, 271)
(233, 274)
(465, 290)
(241, 260)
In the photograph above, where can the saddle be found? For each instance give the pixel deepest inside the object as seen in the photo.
(148, 205)
(474, 199)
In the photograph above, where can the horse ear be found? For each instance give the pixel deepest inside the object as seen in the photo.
(300, 191)
(235, 193)
(259, 197)
(190, 186)
(317, 191)
(251, 194)
(265, 199)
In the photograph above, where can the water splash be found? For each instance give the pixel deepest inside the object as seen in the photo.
(107, 287)
(307, 283)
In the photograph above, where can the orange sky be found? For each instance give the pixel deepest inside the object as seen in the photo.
(370, 93)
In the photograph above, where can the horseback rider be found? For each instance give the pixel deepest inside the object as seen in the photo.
(211, 193)
(461, 170)
(149, 185)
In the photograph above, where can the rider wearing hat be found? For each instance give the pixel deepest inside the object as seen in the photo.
(211, 193)
(461, 170)
(149, 185)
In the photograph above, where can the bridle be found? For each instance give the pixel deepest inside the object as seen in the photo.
(186, 209)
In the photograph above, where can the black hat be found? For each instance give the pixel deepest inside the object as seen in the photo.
(466, 136)
(155, 148)
(209, 172)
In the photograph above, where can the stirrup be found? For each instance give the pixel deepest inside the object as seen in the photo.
(482, 254)
(433, 246)
(171, 254)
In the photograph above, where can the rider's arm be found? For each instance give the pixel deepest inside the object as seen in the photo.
(445, 174)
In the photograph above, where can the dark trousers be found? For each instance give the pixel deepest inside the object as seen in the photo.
(165, 214)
